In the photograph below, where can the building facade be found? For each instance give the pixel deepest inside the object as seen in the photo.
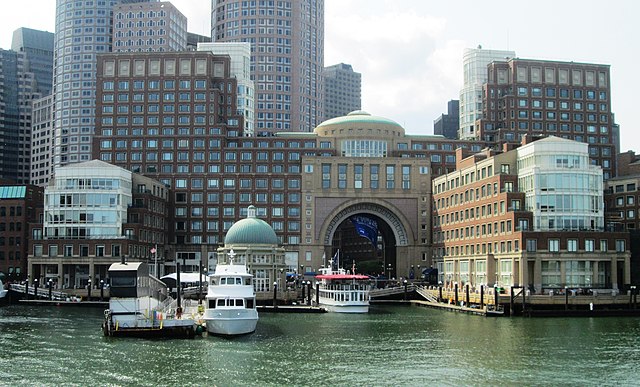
(549, 98)
(342, 90)
(240, 54)
(83, 30)
(287, 58)
(474, 63)
(17, 89)
(252, 241)
(96, 214)
(40, 166)
(530, 217)
(19, 205)
(148, 26)
(38, 48)
(447, 124)
(192, 140)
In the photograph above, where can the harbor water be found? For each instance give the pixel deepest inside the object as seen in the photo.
(390, 346)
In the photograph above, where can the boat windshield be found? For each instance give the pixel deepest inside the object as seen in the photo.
(231, 281)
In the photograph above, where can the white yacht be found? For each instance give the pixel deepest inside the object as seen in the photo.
(231, 300)
(343, 292)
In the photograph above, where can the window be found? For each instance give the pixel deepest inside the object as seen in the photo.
(589, 245)
(603, 245)
(554, 245)
(390, 176)
(572, 245)
(326, 176)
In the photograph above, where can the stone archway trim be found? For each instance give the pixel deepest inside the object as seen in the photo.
(388, 216)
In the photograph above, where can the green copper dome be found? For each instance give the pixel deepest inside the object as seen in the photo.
(251, 231)
(359, 117)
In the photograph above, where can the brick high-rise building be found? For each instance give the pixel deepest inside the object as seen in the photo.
(287, 56)
(564, 99)
(531, 217)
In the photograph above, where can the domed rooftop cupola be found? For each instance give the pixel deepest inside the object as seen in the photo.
(250, 231)
(360, 123)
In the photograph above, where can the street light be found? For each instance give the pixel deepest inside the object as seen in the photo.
(89, 289)
(405, 289)
(101, 290)
(50, 283)
(275, 294)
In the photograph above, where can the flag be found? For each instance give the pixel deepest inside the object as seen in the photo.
(335, 261)
(366, 227)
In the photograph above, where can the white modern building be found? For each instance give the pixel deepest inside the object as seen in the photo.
(475, 61)
(240, 54)
(87, 200)
(563, 191)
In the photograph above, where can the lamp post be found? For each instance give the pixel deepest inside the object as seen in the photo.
(405, 289)
(101, 290)
(89, 289)
(35, 288)
(50, 284)
(309, 293)
(282, 277)
(275, 294)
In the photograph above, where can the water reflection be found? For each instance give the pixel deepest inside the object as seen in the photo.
(390, 346)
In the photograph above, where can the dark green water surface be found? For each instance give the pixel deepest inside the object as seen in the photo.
(390, 346)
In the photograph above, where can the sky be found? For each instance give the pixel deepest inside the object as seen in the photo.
(409, 52)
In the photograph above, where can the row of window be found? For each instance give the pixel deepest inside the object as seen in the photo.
(552, 92)
(13, 211)
(151, 84)
(213, 226)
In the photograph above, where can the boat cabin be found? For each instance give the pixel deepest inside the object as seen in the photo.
(230, 280)
(228, 297)
(130, 279)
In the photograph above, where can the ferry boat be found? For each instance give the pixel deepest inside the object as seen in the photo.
(230, 301)
(343, 292)
(140, 307)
